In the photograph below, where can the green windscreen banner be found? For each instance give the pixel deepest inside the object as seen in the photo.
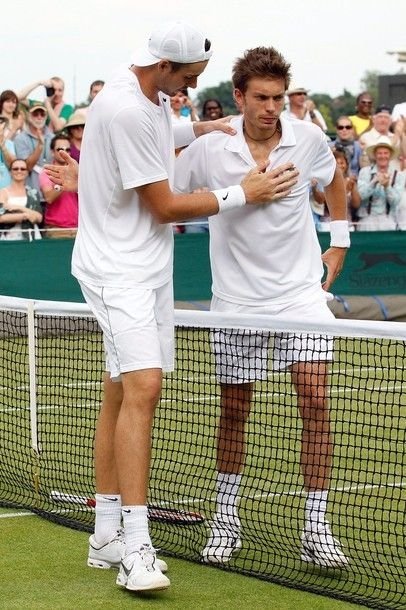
(375, 265)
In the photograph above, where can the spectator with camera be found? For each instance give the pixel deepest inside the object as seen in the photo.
(58, 111)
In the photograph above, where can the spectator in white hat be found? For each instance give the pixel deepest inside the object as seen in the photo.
(380, 188)
(302, 108)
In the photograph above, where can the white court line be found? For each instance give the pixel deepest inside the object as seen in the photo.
(12, 515)
(195, 378)
(289, 492)
(213, 398)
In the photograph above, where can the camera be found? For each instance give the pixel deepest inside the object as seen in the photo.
(50, 91)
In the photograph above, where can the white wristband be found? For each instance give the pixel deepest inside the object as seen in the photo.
(339, 234)
(230, 198)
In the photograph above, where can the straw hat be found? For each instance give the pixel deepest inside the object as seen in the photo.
(76, 119)
(383, 141)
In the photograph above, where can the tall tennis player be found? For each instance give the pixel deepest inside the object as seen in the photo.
(123, 259)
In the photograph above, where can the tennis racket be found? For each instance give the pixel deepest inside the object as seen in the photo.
(174, 516)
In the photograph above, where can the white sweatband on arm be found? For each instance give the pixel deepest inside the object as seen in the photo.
(230, 198)
(339, 234)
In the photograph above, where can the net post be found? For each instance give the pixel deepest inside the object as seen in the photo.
(32, 367)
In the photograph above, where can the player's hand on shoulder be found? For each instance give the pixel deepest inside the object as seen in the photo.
(261, 186)
(222, 124)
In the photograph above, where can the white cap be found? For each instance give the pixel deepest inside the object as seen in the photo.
(176, 41)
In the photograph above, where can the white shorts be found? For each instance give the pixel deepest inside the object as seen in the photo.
(242, 356)
(137, 325)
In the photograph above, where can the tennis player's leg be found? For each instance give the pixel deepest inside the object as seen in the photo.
(241, 357)
(130, 322)
(308, 357)
(225, 529)
(318, 544)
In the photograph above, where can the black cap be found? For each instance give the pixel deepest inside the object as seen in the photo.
(383, 108)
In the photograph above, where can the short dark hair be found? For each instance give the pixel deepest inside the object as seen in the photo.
(97, 83)
(360, 95)
(58, 136)
(260, 62)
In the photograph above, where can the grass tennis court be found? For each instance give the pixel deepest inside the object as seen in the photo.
(367, 500)
(43, 567)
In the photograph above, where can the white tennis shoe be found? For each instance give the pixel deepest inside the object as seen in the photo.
(109, 554)
(321, 548)
(224, 541)
(139, 571)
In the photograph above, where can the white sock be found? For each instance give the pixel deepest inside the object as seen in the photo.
(108, 516)
(135, 520)
(228, 486)
(316, 506)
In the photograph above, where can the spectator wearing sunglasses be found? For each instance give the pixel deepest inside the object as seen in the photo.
(345, 141)
(212, 110)
(362, 119)
(33, 143)
(61, 209)
(20, 207)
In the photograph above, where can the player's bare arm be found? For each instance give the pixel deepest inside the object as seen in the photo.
(259, 187)
(336, 199)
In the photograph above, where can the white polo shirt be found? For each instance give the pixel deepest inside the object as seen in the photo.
(265, 254)
(128, 142)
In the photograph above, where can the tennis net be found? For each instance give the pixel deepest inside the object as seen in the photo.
(50, 390)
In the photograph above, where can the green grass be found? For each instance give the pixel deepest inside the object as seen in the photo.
(367, 501)
(43, 567)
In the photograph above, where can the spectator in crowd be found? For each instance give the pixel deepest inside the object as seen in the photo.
(351, 188)
(74, 128)
(381, 126)
(303, 109)
(33, 143)
(177, 104)
(380, 188)
(61, 209)
(7, 153)
(183, 107)
(398, 112)
(345, 141)
(362, 119)
(9, 109)
(212, 110)
(20, 207)
(57, 109)
(95, 88)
